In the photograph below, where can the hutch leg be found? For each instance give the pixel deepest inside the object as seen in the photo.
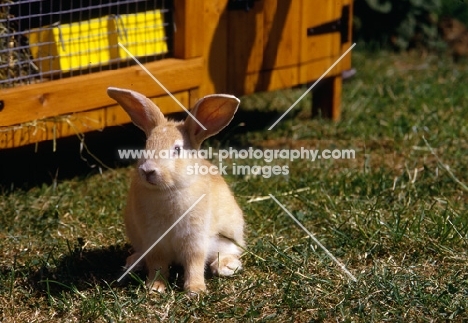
(326, 98)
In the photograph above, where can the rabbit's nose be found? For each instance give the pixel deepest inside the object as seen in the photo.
(148, 173)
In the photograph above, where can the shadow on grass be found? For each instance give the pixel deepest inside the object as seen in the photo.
(244, 121)
(234, 135)
(81, 269)
(34, 165)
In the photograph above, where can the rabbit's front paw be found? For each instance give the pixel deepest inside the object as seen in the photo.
(157, 286)
(195, 288)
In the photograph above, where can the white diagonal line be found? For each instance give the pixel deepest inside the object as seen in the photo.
(160, 238)
(313, 85)
(160, 84)
(346, 271)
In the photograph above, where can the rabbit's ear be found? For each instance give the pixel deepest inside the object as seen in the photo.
(143, 112)
(214, 112)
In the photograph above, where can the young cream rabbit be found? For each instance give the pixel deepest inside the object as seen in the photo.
(162, 190)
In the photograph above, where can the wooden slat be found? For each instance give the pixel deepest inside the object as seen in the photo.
(215, 47)
(194, 96)
(115, 115)
(311, 71)
(280, 78)
(77, 123)
(80, 93)
(281, 34)
(6, 137)
(269, 80)
(315, 13)
(188, 35)
(81, 122)
(245, 47)
(167, 104)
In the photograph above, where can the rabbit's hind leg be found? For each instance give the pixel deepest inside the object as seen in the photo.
(224, 257)
(131, 261)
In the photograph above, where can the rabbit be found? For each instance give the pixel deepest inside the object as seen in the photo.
(162, 190)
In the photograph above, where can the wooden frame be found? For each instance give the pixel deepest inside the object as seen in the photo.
(215, 50)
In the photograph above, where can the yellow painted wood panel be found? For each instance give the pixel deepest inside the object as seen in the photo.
(80, 93)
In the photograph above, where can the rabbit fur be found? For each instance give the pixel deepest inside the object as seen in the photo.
(161, 191)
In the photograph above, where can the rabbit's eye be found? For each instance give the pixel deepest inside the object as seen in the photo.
(177, 149)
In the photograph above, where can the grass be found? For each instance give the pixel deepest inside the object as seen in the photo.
(396, 216)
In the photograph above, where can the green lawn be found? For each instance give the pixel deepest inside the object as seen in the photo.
(395, 216)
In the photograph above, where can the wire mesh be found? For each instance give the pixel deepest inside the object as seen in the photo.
(42, 40)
